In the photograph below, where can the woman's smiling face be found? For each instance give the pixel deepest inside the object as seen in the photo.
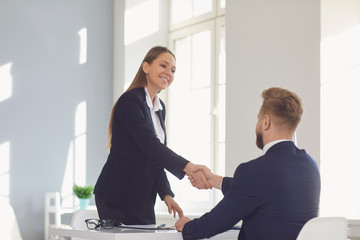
(160, 73)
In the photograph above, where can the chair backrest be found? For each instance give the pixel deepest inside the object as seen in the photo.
(324, 228)
(9, 228)
(78, 218)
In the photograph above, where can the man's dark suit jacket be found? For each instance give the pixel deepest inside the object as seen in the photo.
(274, 195)
(134, 171)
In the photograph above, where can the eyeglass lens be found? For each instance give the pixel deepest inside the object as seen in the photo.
(95, 223)
(107, 224)
(92, 223)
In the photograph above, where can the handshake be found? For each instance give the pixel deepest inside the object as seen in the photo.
(201, 177)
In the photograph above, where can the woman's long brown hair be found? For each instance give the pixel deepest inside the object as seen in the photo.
(139, 80)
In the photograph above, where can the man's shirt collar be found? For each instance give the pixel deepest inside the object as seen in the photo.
(270, 144)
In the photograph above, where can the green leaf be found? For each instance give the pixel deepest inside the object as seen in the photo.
(83, 192)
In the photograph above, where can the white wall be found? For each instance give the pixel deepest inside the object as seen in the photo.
(270, 43)
(340, 87)
(119, 49)
(40, 40)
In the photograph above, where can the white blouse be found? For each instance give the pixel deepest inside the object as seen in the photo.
(160, 134)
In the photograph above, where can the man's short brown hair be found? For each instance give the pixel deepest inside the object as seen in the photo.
(284, 105)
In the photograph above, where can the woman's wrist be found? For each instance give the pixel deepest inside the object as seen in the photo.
(189, 167)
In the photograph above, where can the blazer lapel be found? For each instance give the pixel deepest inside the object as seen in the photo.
(147, 110)
(161, 117)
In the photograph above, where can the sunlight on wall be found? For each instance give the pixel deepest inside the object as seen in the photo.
(75, 171)
(80, 144)
(340, 131)
(5, 82)
(4, 171)
(83, 46)
(141, 21)
(68, 179)
(5, 93)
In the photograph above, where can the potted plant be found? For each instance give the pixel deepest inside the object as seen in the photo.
(84, 194)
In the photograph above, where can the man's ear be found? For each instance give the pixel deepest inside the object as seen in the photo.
(145, 67)
(266, 122)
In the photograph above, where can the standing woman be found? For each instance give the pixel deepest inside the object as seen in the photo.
(134, 172)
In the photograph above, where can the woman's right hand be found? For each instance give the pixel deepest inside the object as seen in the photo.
(198, 178)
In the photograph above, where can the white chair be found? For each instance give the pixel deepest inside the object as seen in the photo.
(78, 219)
(324, 228)
(9, 228)
(52, 212)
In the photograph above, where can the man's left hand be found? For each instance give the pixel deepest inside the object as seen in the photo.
(179, 225)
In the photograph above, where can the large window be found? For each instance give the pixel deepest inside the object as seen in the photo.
(196, 99)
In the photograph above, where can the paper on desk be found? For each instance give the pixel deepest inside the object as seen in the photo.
(147, 227)
(140, 226)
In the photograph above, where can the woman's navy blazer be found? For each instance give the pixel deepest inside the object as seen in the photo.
(134, 171)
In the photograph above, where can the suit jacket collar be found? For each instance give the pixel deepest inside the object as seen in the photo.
(270, 144)
(282, 145)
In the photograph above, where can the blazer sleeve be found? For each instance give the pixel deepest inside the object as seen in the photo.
(226, 184)
(240, 200)
(130, 112)
(164, 186)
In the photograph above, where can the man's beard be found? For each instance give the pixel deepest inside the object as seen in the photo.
(259, 141)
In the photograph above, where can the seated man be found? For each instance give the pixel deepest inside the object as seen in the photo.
(275, 194)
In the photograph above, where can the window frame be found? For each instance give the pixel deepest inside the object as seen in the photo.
(194, 20)
(218, 169)
(213, 22)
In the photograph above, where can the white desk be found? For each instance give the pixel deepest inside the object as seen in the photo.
(128, 234)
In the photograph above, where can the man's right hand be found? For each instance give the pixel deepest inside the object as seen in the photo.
(213, 179)
(198, 178)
